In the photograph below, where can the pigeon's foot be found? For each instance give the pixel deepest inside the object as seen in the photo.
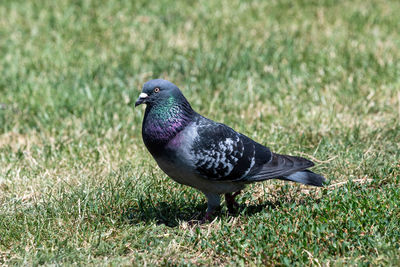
(207, 218)
(231, 202)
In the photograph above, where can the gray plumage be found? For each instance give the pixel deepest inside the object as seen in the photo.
(207, 155)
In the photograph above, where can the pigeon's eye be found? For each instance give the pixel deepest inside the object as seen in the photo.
(156, 90)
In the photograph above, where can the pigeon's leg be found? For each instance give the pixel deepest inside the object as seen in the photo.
(213, 202)
(231, 202)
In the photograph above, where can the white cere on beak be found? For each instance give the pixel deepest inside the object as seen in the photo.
(143, 95)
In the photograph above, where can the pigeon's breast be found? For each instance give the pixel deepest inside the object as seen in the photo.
(177, 159)
(178, 149)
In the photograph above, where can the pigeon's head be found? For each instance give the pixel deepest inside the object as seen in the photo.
(156, 91)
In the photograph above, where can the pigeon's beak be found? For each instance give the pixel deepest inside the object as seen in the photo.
(141, 99)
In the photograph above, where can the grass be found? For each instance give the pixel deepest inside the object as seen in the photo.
(313, 78)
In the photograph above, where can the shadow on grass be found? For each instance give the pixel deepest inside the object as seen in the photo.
(171, 215)
(251, 210)
(164, 213)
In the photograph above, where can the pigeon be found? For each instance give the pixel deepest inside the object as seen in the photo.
(207, 155)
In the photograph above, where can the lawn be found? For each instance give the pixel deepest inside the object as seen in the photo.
(318, 79)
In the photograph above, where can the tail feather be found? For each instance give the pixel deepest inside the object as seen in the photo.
(305, 177)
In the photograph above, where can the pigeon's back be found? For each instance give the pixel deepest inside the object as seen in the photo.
(221, 154)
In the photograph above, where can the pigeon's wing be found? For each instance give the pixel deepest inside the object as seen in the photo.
(280, 166)
(221, 154)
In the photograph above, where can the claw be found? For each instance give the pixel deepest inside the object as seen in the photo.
(207, 218)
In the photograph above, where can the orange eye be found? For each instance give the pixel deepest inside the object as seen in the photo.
(156, 90)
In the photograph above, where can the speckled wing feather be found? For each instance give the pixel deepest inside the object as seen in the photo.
(221, 154)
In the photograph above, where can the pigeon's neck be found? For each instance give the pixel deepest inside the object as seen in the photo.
(164, 120)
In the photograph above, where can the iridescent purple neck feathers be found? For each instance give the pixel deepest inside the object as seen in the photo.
(164, 120)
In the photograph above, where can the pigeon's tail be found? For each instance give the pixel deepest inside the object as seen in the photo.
(305, 177)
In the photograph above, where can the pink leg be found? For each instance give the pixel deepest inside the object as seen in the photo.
(231, 202)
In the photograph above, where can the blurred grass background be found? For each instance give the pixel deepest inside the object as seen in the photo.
(313, 78)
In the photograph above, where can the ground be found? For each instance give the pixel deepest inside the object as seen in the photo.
(318, 79)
